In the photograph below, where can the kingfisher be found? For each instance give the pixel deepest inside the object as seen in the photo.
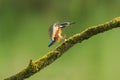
(55, 32)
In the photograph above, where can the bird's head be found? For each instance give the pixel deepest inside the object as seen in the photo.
(64, 24)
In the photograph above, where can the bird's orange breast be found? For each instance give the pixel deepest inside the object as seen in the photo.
(57, 35)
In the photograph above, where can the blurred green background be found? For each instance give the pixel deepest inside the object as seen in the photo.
(24, 35)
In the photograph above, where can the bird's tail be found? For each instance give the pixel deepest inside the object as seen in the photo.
(51, 42)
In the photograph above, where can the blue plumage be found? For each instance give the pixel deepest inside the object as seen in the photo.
(51, 42)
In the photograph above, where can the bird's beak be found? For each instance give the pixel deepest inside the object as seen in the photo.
(72, 23)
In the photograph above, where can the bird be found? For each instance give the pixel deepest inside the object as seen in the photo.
(55, 31)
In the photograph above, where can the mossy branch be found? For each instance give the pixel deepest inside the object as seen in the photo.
(48, 58)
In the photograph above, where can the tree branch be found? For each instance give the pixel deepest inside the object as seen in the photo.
(48, 58)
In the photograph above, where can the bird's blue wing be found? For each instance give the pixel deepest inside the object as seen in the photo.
(50, 31)
(53, 29)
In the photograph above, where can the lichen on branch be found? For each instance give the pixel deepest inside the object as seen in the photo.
(37, 65)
